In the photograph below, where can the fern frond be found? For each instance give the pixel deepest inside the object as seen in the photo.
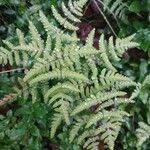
(20, 36)
(76, 7)
(105, 114)
(142, 133)
(117, 8)
(104, 56)
(60, 88)
(64, 108)
(115, 49)
(109, 131)
(89, 40)
(59, 96)
(36, 37)
(58, 74)
(6, 56)
(63, 21)
(68, 14)
(73, 9)
(74, 131)
(57, 118)
(113, 79)
(146, 80)
(94, 100)
(124, 44)
(92, 143)
(53, 30)
(84, 135)
(40, 67)
(136, 92)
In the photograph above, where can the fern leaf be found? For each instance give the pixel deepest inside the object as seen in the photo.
(136, 92)
(74, 131)
(58, 96)
(111, 78)
(59, 88)
(94, 100)
(106, 114)
(68, 14)
(110, 131)
(6, 56)
(58, 74)
(92, 143)
(57, 118)
(20, 36)
(63, 21)
(40, 67)
(126, 43)
(36, 36)
(73, 9)
(146, 80)
(89, 40)
(112, 49)
(104, 56)
(142, 133)
(84, 135)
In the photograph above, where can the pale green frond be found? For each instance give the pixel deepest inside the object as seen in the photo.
(111, 78)
(20, 36)
(112, 49)
(84, 135)
(6, 56)
(92, 143)
(105, 114)
(48, 26)
(94, 100)
(136, 92)
(142, 133)
(74, 131)
(103, 55)
(146, 80)
(63, 21)
(58, 96)
(109, 131)
(36, 37)
(57, 118)
(58, 74)
(68, 14)
(17, 57)
(40, 67)
(64, 109)
(48, 45)
(73, 9)
(90, 38)
(124, 44)
(59, 88)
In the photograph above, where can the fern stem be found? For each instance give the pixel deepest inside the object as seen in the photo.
(110, 12)
(105, 18)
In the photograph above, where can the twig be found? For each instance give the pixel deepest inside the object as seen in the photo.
(12, 70)
(105, 18)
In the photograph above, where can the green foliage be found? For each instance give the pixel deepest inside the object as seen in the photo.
(138, 21)
(27, 125)
(143, 133)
